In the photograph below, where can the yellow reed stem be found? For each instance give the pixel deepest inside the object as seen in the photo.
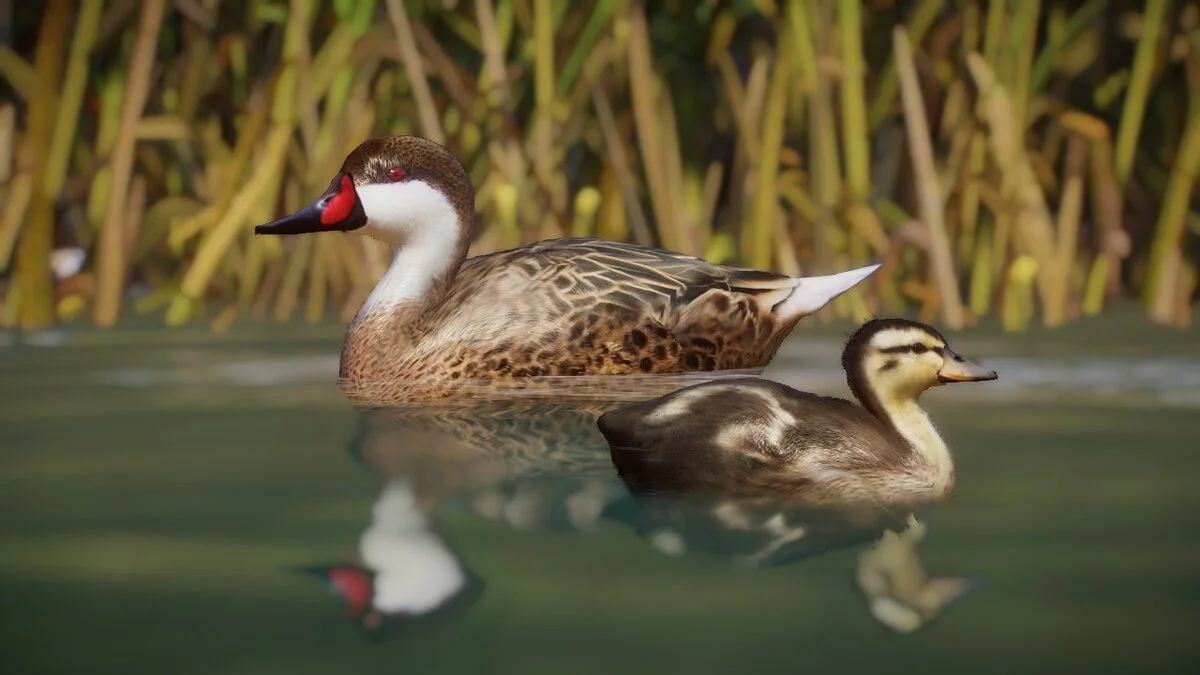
(1106, 205)
(928, 189)
(854, 116)
(67, 120)
(1172, 220)
(758, 233)
(289, 290)
(1018, 295)
(920, 20)
(208, 256)
(642, 89)
(825, 174)
(36, 298)
(318, 277)
(1025, 25)
(1134, 107)
(981, 274)
(110, 261)
(16, 203)
(18, 72)
(1020, 187)
(431, 126)
(611, 222)
(8, 140)
(587, 203)
(1070, 210)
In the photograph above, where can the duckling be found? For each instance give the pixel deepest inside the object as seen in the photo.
(747, 436)
(560, 307)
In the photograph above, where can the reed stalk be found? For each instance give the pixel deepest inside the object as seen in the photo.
(1172, 219)
(71, 98)
(643, 85)
(822, 137)
(1134, 108)
(35, 302)
(918, 24)
(758, 233)
(584, 118)
(110, 259)
(921, 149)
(431, 126)
(1070, 210)
(854, 116)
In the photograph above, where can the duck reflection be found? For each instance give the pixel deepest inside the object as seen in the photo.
(529, 464)
(405, 571)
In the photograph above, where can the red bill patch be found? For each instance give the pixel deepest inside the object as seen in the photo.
(355, 588)
(339, 207)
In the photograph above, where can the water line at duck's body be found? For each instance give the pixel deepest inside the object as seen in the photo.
(428, 243)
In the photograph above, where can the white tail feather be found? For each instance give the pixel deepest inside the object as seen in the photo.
(813, 293)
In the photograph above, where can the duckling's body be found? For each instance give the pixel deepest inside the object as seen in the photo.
(558, 307)
(748, 436)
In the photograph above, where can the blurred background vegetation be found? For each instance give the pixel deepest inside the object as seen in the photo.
(1026, 159)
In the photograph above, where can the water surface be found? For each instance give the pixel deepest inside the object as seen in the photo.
(160, 486)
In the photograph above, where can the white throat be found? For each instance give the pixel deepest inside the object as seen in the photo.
(422, 226)
(415, 572)
(915, 426)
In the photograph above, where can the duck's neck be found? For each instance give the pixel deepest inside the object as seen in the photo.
(415, 570)
(397, 312)
(905, 416)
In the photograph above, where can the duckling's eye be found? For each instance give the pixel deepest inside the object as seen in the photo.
(919, 348)
(396, 173)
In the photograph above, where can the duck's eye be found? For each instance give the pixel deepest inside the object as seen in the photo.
(396, 173)
(919, 348)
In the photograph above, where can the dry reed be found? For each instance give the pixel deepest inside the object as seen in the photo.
(991, 160)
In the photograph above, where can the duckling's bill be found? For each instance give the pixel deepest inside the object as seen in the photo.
(957, 368)
(338, 210)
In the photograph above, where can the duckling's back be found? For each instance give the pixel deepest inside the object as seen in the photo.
(747, 436)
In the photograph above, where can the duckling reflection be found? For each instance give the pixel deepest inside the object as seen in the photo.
(779, 475)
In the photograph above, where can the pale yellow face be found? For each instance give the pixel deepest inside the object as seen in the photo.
(903, 362)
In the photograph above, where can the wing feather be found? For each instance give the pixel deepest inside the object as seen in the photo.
(662, 279)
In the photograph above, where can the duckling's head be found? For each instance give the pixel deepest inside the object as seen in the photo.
(894, 359)
(398, 189)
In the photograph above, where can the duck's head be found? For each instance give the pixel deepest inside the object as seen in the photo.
(398, 189)
(899, 358)
(358, 588)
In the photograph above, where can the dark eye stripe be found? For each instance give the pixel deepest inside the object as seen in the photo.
(915, 348)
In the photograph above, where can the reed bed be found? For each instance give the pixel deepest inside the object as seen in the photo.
(1030, 160)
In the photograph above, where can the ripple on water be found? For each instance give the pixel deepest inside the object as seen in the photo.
(1166, 380)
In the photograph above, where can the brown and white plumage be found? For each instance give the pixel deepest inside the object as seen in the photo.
(561, 307)
(749, 437)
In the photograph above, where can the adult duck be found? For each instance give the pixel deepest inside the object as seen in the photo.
(556, 307)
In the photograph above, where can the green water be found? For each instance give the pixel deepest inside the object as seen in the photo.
(157, 487)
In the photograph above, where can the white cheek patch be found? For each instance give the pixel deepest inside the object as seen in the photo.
(424, 228)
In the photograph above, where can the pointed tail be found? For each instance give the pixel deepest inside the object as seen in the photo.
(813, 293)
